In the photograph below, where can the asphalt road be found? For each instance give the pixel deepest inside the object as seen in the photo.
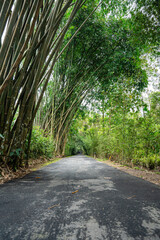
(107, 204)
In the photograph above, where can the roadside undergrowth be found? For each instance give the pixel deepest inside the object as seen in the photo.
(7, 174)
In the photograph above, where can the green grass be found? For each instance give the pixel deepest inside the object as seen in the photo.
(51, 161)
(137, 168)
(101, 160)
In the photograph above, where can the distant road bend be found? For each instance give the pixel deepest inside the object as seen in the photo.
(78, 198)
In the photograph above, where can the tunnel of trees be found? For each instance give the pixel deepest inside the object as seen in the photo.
(74, 76)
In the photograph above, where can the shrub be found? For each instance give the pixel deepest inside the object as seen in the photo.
(41, 145)
(151, 161)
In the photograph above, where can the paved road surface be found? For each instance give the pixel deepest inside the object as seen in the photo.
(109, 204)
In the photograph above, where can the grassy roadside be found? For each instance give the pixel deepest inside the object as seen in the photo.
(150, 175)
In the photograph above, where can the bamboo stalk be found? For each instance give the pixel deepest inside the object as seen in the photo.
(9, 31)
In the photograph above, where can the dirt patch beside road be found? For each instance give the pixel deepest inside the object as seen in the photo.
(150, 176)
(7, 174)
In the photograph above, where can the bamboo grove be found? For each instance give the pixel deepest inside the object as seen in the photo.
(83, 68)
(33, 32)
(56, 54)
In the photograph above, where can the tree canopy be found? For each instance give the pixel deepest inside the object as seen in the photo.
(57, 56)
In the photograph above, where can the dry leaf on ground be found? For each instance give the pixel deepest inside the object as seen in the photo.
(75, 192)
(131, 197)
(56, 205)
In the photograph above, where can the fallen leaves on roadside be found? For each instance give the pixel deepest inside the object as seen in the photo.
(8, 174)
(107, 178)
(131, 197)
(75, 192)
(37, 177)
(56, 205)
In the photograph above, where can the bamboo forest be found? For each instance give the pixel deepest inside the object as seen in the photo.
(80, 77)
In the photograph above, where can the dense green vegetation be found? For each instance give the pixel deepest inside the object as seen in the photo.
(128, 136)
(72, 75)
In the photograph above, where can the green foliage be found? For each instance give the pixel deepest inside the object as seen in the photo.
(123, 130)
(41, 145)
(16, 152)
(151, 161)
(107, 53)
(102, 65)
(74, 145)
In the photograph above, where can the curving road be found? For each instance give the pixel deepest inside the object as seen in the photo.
(79, 198)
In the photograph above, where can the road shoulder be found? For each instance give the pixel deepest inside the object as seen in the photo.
(145, 174)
